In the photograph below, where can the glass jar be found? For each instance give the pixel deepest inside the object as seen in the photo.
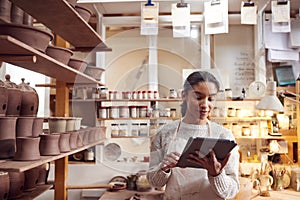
(173, 112)
(144, 131)
(143, 111)
(123, 129)
(114, 130)
(102, 112)
(231, 112)
(133, 111)
(124, 112)
(114, 112)
(135, 129)
(103, 93)
(172, 94)
(111, 95)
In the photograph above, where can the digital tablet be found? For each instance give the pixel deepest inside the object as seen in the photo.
(221, 147)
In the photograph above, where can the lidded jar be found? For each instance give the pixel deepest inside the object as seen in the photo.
(14, 97)
(30, 100)
(3, 98)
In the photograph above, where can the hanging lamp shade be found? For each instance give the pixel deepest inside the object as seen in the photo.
(270, 100)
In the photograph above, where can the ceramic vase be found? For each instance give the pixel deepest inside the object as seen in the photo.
(4, 186)
(7, 137)
(64, 142)
(16, 184)
(24, 126)
(49, 145)
(27, 149)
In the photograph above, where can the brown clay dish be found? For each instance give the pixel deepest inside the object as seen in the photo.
(61, 54)
(94, 72)
(34, 37)
(77, 64)
(84, 13)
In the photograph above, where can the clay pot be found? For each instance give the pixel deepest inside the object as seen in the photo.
(49, 144)
(73, 139)
(77, 64)
(14, 97)
(37, 126)
(92, 135)
(94, 72)
(4, 186)
(60, 54)
(84, 13)
(80, 138)
(77, 123)
(64, 142)
(72, 2)
(16, 14)
(27, 149)
(86, 135)
(7, 137)
(27, 19)
(5, 7)
(3, 98)
(24, 126)
(31, 178)
(70, 124)
(57, 124)
(30, 100)
(30, 35)
(16, 185)
(43, 173)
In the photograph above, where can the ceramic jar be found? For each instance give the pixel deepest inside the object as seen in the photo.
(70, 124)
(7, 137)
(64, 142)
(86, 136)
(37, 126)
(4, 186)
(73, 139)
(14, 98)
(5, 7)
(3, 98)
(30, 100)
(27, 149)
(49, 144)
(16, 185)
(57, 124)
(31, 178)
(27, 19)
(24, 126)
(43, 173)
(16, 14)
(80, 137)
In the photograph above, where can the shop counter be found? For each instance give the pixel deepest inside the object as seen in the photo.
(127, 194)
(287, 194)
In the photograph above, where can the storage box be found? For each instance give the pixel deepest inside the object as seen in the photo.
(295, 178)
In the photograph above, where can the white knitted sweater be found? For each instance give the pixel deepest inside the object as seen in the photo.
(192, 183)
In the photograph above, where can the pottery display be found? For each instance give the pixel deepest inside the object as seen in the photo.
(77, 64)
(49, 144)
(37, 126)
(16, 185)
(73, 139)
(16, 14)
(64, 142)
(77, 123)
(43, 173)
(7, 137)
(57, 124)
(31, 178)
(24, 126)
(86, 135)
(14, 97)
(4, 186)
(3, 98)
(27, 19)
(30, 35)
(84, 13)
(60, 54)
(94, 72)
(80, 137)
(70, 124)
(27, 149)
(5, 8)
(30, 100)
(92, 135)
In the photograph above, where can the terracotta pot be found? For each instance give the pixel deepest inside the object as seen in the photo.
(37, 126)
(43, 173)
(73, 139)
(27, 19)
(27, 149)
(31, 178)
(14, 97)
(84, 13)
(57, 124)
(70, 124)
(5, 7)
(7, 137)
(60, 54)
(49, 144)
(64, 142)
(80, 138)
(30, 100)
(86, 135)
(16, 14)
(77, 64)
(4, 186)
(16, 185)
(94, 72)
(92, 135)
(3, 98)
(24, 126)
(32, 36)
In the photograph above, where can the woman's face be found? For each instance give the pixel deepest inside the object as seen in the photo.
(200, 100)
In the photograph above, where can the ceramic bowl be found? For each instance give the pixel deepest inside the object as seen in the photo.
(84, 13)
(60, 54)
(94, 72)
(77, 64)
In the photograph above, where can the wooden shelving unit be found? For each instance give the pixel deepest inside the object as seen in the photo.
(127, 100)
(63, 19)
(38, 190)
(141, 118)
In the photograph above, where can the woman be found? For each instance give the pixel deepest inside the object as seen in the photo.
(218, 179)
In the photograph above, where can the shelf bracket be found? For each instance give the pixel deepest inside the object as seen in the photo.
(18, 58)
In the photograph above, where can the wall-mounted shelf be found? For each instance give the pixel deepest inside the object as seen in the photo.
(141, 118)
(38, 190)
(17, 53)
(240, 119)
(62, 18)
(127, 100)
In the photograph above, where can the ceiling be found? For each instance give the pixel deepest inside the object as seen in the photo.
(126, 8)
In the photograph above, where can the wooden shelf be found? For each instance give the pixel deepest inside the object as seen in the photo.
(39, 189)
(239, 119)
(141, 118)
(64, 20)
(20, 166)
(150, 136)
(127, 100)
(11, 49)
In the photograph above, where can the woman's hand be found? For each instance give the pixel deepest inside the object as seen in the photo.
(210, 162)
(170, 161)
